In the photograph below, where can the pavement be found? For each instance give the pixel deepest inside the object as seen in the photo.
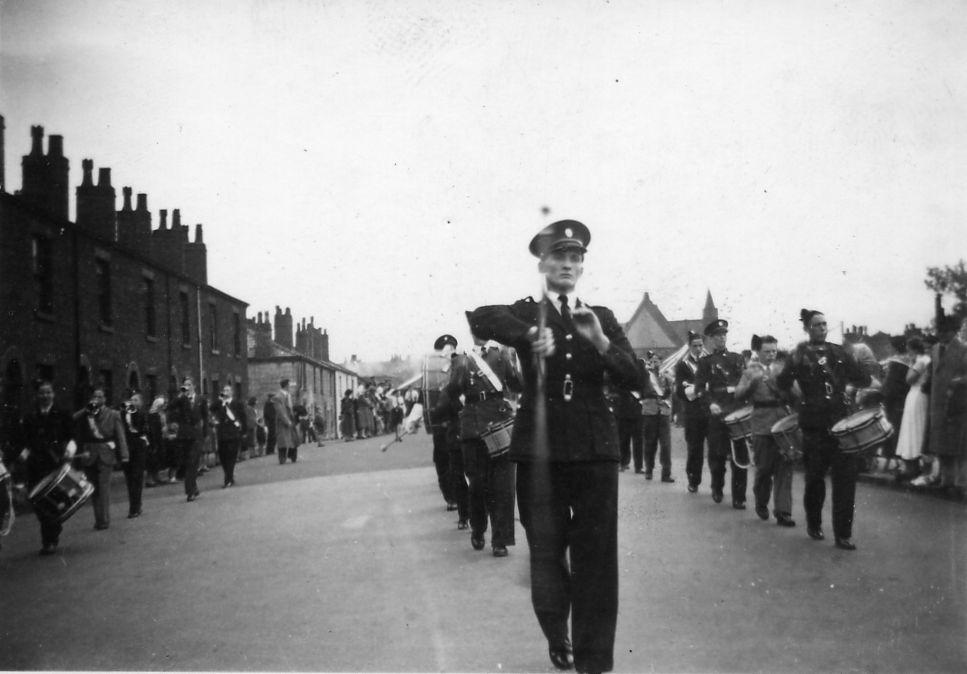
(348, 561)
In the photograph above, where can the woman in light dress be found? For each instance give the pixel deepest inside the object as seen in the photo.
(913, 428)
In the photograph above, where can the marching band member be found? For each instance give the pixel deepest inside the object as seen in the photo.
(823, 370)
(694, 411)
(483, 380)
(47, 434)
(136, 435)
(100, 433)
(657, 414)
(230, 427)
(447, 452)
(567, 480)
(188, 415)
(715, 381)
(773, 473)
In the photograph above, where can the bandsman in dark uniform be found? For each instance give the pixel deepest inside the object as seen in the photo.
(484, 379)
(46, 433)
(444, 416)
(567, 473)
(718, 374)
(693, 410)
(823, 370)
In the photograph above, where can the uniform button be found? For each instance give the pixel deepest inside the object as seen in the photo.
(567, 356)
(569, 336)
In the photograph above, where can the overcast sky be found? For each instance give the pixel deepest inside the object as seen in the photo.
(382, 165)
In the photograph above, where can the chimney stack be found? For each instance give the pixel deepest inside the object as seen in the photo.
(196, 256)
(45, 184)
(95, 203)
(167, 247)
(134, 227)
(283, 327)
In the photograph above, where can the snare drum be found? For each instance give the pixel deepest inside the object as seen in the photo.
(739, 423)
(788, 437)
(861, 431)
(60, 494)
(497, 437)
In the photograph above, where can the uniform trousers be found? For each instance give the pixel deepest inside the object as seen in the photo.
(696, 431)
(491, 492)
(821, 454)
(629, 440)
(458, 479)
(573, 505)
(189, 451)
(441, 459)
(657, 432)
(773, 474)
(720, 454)
(99, 475)
(134, 472)
(228, 457)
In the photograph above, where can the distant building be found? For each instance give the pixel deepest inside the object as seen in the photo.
(319, 383)
(649, 330)
(105, 300)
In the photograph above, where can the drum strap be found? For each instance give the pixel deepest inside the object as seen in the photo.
(7, 515)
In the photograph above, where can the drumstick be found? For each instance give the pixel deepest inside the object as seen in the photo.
(398, 438)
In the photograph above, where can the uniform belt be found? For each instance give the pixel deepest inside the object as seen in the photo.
(758, 404)
(484, 395)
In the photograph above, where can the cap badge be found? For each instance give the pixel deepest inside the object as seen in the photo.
(569, 233)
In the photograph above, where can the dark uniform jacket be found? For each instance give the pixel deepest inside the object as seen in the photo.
(581, 428)
(46, 436)
(108, 443)
(226, 427)
(717, 373)
(823, 371)
(483, 404)
(685, 371)
(190, 415)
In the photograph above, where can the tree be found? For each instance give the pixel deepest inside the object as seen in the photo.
(950, 281)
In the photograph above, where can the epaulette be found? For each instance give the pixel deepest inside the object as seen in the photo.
(527, 299)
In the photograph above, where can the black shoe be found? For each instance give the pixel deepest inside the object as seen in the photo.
(48, 549)
(101, 526)
(451, 506)
(785, 521)
(230, 483)
(717, 495)
(561, 655)
(692, 488)
(815, 533)
(667, 478)
(463, 524)
(193, 497)
(623, 468)
(648, 475)
(845, 544)
(762, 512)
(738, 505)
(477, 543)
(134, 514)
(500, 551)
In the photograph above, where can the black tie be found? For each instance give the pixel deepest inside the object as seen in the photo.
(565, 311)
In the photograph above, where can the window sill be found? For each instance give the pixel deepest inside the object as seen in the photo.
(151, 338)
(186, 346)
(104, 327)
(216, 352)
(44, 316)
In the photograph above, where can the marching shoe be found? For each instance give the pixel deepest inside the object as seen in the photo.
(648, 475)
(738, 505)
(717, 495)
(477, 543)
(194, 497)
(463, 524)
(48, 549)
(500, 551)
(561, 654)
(134, 514)
(845, 544)
(101, 526)
(692, 488)
(785, 521)
(815, 533)
(667, 478)
(762, 512)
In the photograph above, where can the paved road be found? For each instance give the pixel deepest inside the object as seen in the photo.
(347, 561)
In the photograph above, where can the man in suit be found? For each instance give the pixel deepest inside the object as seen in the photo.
(694, 412)
(718, 374)
(286, 429)
(948, 403)
(100, 434)
(231, 425)
(190, 412)
(46, 433)
(565, 443)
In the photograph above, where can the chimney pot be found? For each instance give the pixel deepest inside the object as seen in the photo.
(198, 234)
(87, 165)
(163, 224)
(55, 146)
(104, 177)
(37, 138)
(176, 218)
(142, 202)
(126, 191)
(288, 312)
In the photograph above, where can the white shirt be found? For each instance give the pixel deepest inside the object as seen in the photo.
(572, 300)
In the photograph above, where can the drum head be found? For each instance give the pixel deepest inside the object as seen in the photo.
(787, 423)
(738, 415)
(52, 478)
(856, 421)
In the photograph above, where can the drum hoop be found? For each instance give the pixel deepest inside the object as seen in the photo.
(85, 494)
(869, 444)
(496, 427)
(790, 421)
(745, 412)
(49, 481)
(852, 429)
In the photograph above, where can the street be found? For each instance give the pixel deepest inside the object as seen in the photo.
(347, 561)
